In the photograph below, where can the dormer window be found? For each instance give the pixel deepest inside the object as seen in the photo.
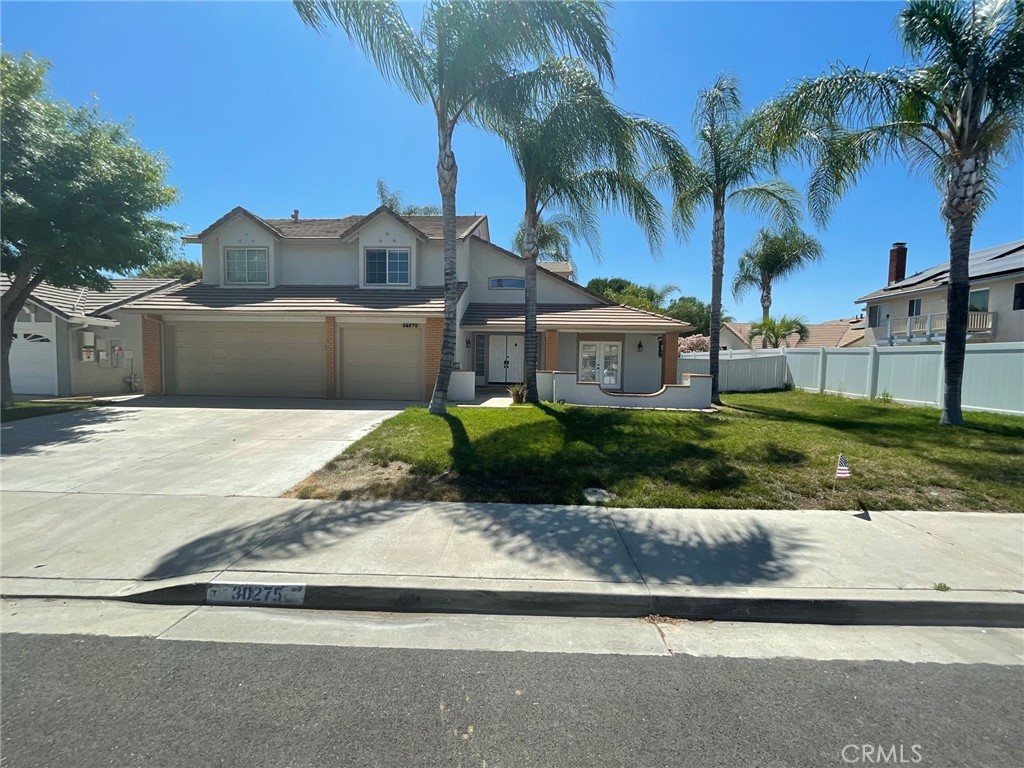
(387, 266)
(506, 283)
(246, 266)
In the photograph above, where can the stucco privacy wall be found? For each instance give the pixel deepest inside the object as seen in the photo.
(94, 377)
(693, 392)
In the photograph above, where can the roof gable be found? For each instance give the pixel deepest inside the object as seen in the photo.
(236, 211)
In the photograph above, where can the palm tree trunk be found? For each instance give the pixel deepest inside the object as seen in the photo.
(447, 179)
(957, 303)
(530, 251)
(766, 310)
(717, 274)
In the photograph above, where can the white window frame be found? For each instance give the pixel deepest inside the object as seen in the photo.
(913, 304)
(411, 266)
(600, 364)
(988, 298)
(492, 280)
(245, 248)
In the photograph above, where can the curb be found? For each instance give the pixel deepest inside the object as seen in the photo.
(940, 613)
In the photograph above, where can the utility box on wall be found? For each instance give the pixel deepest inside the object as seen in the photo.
(88, 354)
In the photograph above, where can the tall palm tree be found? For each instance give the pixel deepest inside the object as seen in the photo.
(728, 170)
(774, 256)
(775, 332)
(555, 237)
(956, 112)
(468, 61)
(579, 152)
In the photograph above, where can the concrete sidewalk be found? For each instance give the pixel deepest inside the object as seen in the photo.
(501, 558)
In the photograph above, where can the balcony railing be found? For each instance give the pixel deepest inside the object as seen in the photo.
(933, 327)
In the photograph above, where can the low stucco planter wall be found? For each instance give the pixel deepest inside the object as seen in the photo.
(462, 387)
(693, 392)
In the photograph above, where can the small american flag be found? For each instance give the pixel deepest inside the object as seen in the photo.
(842, 469)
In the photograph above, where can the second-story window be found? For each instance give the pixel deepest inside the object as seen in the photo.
(978, 301)
(913, 308)
(387, 266)
(500, 283)
(246, 266)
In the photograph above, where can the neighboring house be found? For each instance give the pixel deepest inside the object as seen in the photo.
(74, 341)
(353, 308)
(913, 309)
(845, 332)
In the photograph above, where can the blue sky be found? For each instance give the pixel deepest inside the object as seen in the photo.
(253, 109)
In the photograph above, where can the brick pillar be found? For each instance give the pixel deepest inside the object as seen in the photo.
(432, 358)
(152, 355)
(330, 359)
(670, 358)
(551, 350)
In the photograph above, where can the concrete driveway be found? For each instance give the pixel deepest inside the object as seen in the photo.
(183, 445)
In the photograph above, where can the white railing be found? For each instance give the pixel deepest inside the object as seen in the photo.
(929, 327)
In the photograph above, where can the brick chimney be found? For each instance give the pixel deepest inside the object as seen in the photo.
(295, 217)
(897, 262)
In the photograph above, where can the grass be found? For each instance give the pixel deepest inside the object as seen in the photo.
(27, 410)
(762, 451)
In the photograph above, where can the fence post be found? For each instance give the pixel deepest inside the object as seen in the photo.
(872, 387)
(822, 361)
(940, 393)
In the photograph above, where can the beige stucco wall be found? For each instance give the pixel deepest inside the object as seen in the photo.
(641, 371)
(319, 263)
(94, 378)
(486, 262)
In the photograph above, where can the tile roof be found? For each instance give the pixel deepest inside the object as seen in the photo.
(68, 302)
(987, 262)
(831, 333)
(576, 316)
(428, 226)
(316, 299)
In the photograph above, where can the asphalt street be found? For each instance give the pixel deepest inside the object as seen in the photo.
(83, 701)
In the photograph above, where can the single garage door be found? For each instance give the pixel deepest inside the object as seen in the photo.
(257, 359)
(33, 361)
(381, 362)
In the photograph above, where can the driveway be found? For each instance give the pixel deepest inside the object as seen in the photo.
(183, 445)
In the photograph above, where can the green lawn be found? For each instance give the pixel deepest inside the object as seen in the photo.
(20, 411)
(772, 450)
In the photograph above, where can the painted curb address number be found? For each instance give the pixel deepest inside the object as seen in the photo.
(256, 594)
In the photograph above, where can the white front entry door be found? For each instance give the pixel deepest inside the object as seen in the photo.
(601, 361)
(505, 360)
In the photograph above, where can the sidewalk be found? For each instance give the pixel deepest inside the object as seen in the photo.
(813, 566)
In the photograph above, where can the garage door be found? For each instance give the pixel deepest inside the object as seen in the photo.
(381, 362)
(265, 359)
(33, 361)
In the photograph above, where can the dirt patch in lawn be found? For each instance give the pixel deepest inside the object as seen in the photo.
(353, 477)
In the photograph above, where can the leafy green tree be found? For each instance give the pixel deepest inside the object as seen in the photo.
(393, 200)
(956, 112)
(173, 269)
(470, 61)
(555, 237)
(776, 331)
(579, 152)
(81, 198)
(774, 256)
(650, 298)
(728, 170)
(697, 313)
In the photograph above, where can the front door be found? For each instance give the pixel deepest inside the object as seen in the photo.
(505, 360)
(601, 361)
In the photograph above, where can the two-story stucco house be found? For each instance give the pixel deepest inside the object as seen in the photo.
(913, 309)
(353, 308)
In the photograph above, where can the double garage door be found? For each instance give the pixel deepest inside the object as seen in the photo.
(287, 360)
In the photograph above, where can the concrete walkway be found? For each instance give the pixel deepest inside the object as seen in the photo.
(780, 565)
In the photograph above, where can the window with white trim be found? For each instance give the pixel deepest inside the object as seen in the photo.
(387, 266)
(914, 308)
(506, 283)
(246, 266)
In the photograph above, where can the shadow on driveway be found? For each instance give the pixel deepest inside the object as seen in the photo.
(86, 425)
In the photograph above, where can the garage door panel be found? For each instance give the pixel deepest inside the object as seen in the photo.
(382, 363)
(285, 360)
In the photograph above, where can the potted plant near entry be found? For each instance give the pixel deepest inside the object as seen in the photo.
(518, 393)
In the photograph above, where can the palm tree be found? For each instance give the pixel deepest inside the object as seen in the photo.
(555, 237)
(728, 170)
(393, 200)
(775, 332)
(771, 257)
(467, 61)
(579, 152)
(956, 112)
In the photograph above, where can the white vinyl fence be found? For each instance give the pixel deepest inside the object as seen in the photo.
(993, 373)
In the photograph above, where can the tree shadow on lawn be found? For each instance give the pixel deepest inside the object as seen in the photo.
(554, 461)
(495, 541)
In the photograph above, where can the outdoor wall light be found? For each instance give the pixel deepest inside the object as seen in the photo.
(469, 342)
(640, 346)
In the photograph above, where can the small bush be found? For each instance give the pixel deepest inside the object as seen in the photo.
(885, 397)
